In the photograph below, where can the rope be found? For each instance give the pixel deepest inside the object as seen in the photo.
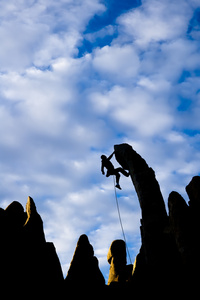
(120, 220)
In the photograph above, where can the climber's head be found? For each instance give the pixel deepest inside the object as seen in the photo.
(103, 157)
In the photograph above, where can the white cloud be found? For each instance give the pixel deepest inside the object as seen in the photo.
(117, 63)
(179, 55)
(136, 109)
(35, 32)
(156, 21)
(105, 31)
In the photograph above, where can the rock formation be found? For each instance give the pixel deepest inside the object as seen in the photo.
(11, 250)
(84, 271)
(44, 261)
(185, 227)
(29, 265)
(169, 243)
(168, 260)
(119, 272)
(154, 215)
(33, 227)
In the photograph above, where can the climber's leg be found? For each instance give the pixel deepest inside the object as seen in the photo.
(121, 170)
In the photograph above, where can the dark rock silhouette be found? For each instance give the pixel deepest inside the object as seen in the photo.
(167, 263)
(145, 183)
(84, 271)
(185, 226)
(44, 267)
(161, 258)
(154, 215)
(11, 250)
(33, 227)
(25, 252)
(179, 223)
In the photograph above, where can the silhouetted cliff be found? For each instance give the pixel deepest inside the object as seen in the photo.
(168, 261)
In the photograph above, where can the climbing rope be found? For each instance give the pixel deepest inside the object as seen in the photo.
(120, 220)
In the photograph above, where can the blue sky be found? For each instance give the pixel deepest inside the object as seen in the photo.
(76, 78)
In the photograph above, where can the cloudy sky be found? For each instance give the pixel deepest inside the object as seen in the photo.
(76, 78)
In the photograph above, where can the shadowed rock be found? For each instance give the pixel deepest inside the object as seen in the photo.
(154, 215)
(158, 254)
(193, 191)
(184, 224)
(14, 219)
(84, 271)
(42, 264)
(11, 250)
(33, 227)
(146, 186)
(15, 214)
(179, 223)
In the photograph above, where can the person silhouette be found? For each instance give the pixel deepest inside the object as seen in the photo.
(106, 163)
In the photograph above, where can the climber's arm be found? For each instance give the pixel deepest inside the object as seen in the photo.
(109, 158)
(102, 168)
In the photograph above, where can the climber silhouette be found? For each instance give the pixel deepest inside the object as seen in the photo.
(106, 163)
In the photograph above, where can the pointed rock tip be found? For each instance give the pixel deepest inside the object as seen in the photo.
(30, 206)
